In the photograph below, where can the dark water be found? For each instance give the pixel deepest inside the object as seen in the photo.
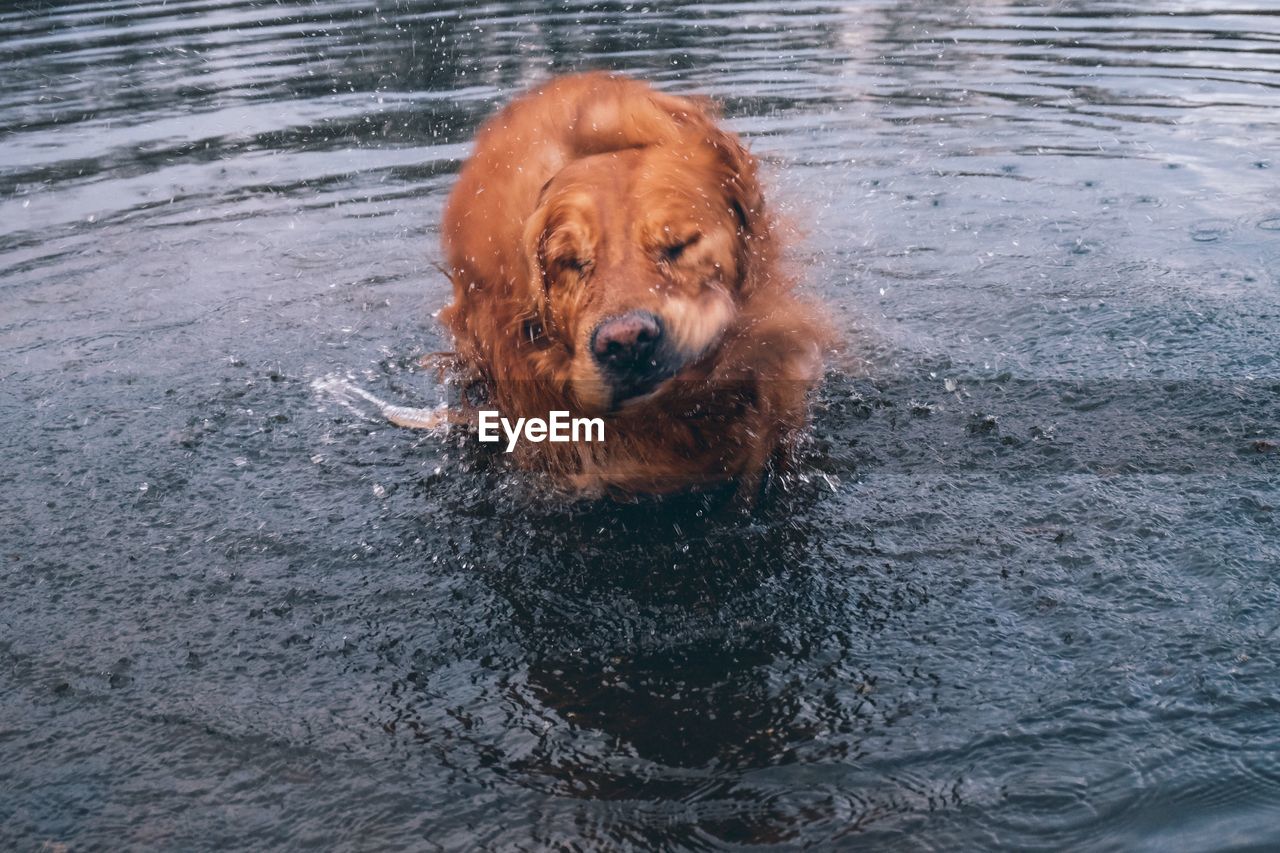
(1024, 595)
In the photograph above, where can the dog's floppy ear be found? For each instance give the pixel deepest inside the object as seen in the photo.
(533, 251)
(739, 180)
(697, 114)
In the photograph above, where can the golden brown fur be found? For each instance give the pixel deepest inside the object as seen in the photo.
(594, 196)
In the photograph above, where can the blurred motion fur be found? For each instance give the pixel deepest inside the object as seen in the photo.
(611, 255)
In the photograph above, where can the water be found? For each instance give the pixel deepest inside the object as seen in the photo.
(1023, 595)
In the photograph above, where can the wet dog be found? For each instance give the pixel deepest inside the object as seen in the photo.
(611, 256)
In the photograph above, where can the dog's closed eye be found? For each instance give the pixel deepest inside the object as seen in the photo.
(672, 252)
(580, 267)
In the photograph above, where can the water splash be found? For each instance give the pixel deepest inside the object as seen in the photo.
(341, 390)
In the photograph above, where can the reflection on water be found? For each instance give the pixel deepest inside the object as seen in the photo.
(1021, 594)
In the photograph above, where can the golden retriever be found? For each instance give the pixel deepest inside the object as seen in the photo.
(612, 256)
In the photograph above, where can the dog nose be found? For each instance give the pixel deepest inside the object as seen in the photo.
(628, 343)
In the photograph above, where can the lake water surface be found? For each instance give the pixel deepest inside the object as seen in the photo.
(1024, 593)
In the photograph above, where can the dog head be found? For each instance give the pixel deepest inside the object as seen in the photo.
(638, 260)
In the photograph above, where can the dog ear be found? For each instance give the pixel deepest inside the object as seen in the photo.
(533, 244)
(698, 114)
(739, 180)
(535, 304)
